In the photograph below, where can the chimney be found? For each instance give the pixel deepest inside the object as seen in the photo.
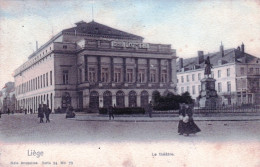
(222, 50)
(200, 57)
(243, 48)
(36, 45)
(180, 63)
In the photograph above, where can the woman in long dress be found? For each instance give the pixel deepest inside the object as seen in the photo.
(190, 127)
(181, 116)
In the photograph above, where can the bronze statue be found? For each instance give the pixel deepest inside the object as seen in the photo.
(208, 67)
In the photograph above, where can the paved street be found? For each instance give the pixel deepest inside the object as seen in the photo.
(26, 128)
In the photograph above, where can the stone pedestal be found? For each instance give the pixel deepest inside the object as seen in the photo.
(208, 95)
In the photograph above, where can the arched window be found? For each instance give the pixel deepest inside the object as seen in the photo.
(107, 99)
(144, 98)
(120, 99)
(94, 100)
(132, 99)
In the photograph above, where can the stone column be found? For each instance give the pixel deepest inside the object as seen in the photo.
(86, 67)
(173, 71)
(136, 70)
(159, 70)
(148, 70)
(112, 68)
(138, 100)
(124, 69)
(99, 68)
(170, 70)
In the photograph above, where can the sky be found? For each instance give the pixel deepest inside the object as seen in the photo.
(188, 25)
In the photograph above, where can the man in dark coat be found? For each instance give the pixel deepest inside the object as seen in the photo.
(8, 111)
(40, 113)
(47, 112)
(150, 109)
(110, 112)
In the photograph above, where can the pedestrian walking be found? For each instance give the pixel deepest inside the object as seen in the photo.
(110, 112)
(25, 111)
(47, 112)
(189, 126)
(40, 113)
(149, 109)
(8, 111)
(31, 111)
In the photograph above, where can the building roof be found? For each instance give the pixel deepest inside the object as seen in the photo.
(230, 56)
(94, 28)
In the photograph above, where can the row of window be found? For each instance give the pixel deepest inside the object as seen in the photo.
(118, 75)
(193, 91)
(34, 102)
(35, 59)
(39, 82)
(193, 77)
(250, 71)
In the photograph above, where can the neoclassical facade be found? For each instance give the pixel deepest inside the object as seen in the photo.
(92, 65)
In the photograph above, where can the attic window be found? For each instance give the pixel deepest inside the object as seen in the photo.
(96, 30)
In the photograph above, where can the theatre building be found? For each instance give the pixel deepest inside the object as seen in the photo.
(92, 65)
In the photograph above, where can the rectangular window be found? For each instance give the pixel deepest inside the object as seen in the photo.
(257, 71)
(182, 79)
(182, 89)
(130, 75)
(242, 70)
(80, 75)
(228, 72)
(188, 89)
(65, 77)
(229, 86)
(219, 73)
(187, 78)
(199, 76)
(153, 75)
(141, 75)
(219, 87)
(92, 77)
(47, 79)
(36, 83)
(43, 80)
(193, 90)
(164, 76)
(199, 88)
(193, 77)
(104, 75)
(117, 75)
(50, 77)
(251, 71)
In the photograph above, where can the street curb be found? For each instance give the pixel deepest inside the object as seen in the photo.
(91, 120)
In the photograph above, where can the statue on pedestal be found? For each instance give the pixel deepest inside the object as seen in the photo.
(208, 95)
